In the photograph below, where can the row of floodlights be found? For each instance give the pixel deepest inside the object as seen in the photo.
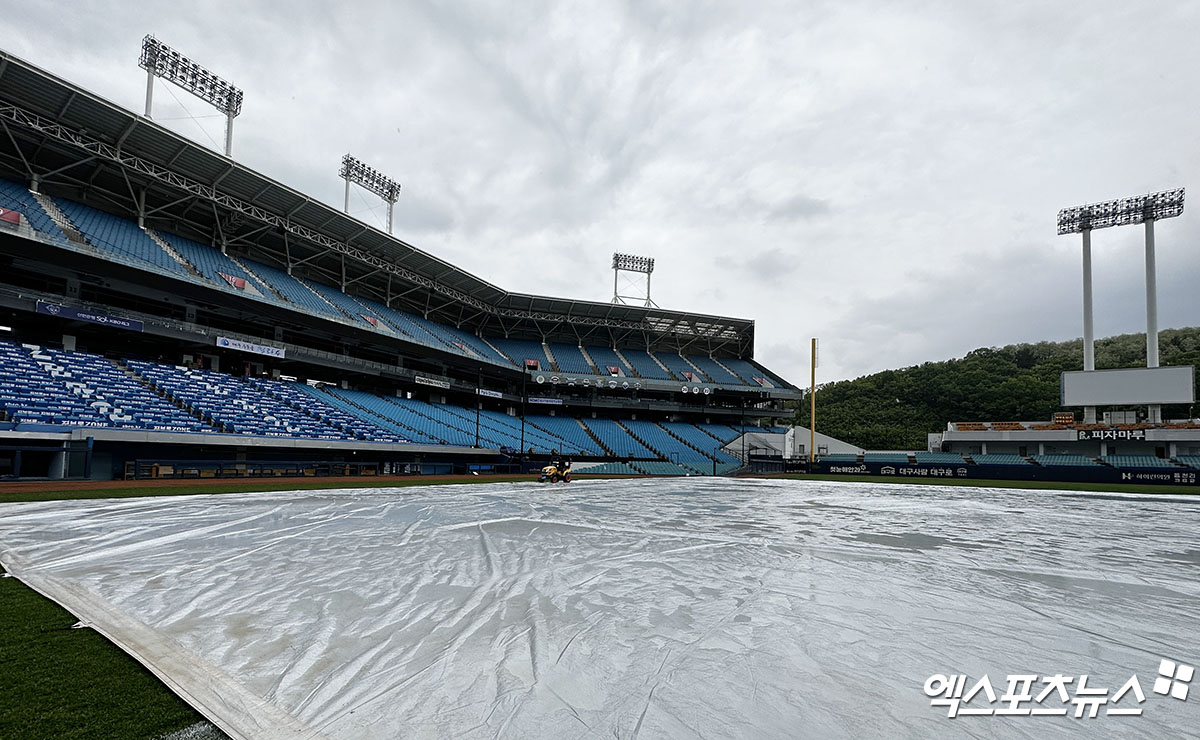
(163, 61)
(167, 63)
(632, 263)
(370, 178)
(1121, 212)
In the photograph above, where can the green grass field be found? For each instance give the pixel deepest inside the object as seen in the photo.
(59, 682)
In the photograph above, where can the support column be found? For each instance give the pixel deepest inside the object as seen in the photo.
(390, 206)
(1089, 342)
(229, 135)
(1154, 412)
(149, 92)
(346, 208)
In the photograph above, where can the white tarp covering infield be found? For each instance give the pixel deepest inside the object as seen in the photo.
(649, 608)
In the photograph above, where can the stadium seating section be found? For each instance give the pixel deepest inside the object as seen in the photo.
(1137, 461)
(44, 386)
(122, 240)
(1050, 461)
(605, 357)
(713, 370)
(999, 459)
(520, 350)
(570, 359)
(941, 458)
(615, 468)
(644, 365)
(18, 198)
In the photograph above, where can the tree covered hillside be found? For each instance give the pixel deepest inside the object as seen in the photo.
(895, 409)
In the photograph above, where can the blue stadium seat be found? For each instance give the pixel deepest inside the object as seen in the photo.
(17, 197)
(714, 370)
(645, 365)
(999, 459)
(119, 236)
(520, 350)
(605, 357)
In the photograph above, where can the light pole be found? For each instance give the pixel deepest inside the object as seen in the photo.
(1143, 209)
(812, 406)
(354, 171)
(160, 60)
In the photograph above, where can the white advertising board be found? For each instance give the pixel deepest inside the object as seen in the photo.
(1140, 385)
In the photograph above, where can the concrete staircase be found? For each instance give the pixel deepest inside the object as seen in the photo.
(658, 362)
(553, 363)
(166, 247)
(607, 450)
(628, 365)
(59, 218)
(699, 373)
(726, 368)
(494, 349)
(253, 274)
(591, 363)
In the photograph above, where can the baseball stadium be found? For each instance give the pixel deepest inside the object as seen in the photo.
(171, 313)
(270, 471)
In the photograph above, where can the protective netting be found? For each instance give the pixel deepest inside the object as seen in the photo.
(650, 608)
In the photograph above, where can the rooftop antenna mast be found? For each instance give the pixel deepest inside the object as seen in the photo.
(160, 60)
(354, 171)
(638, 266)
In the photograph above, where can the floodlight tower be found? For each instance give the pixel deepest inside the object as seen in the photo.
(1144, 209)
(160, 60)
(354, 171)
(637, 265)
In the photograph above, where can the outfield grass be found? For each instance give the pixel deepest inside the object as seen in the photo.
(61, 683)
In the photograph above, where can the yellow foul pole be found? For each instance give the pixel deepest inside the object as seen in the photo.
(812, 408)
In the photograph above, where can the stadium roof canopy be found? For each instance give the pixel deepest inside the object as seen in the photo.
(73, 143)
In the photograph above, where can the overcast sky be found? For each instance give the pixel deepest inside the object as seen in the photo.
(882, 175)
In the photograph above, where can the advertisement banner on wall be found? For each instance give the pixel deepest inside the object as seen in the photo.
(257, 349)
(82, 314)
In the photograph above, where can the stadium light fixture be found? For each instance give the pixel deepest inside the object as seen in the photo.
(1121, 212)
(1138, 209)
(635, 264)
(160, 60)
(369, 178)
